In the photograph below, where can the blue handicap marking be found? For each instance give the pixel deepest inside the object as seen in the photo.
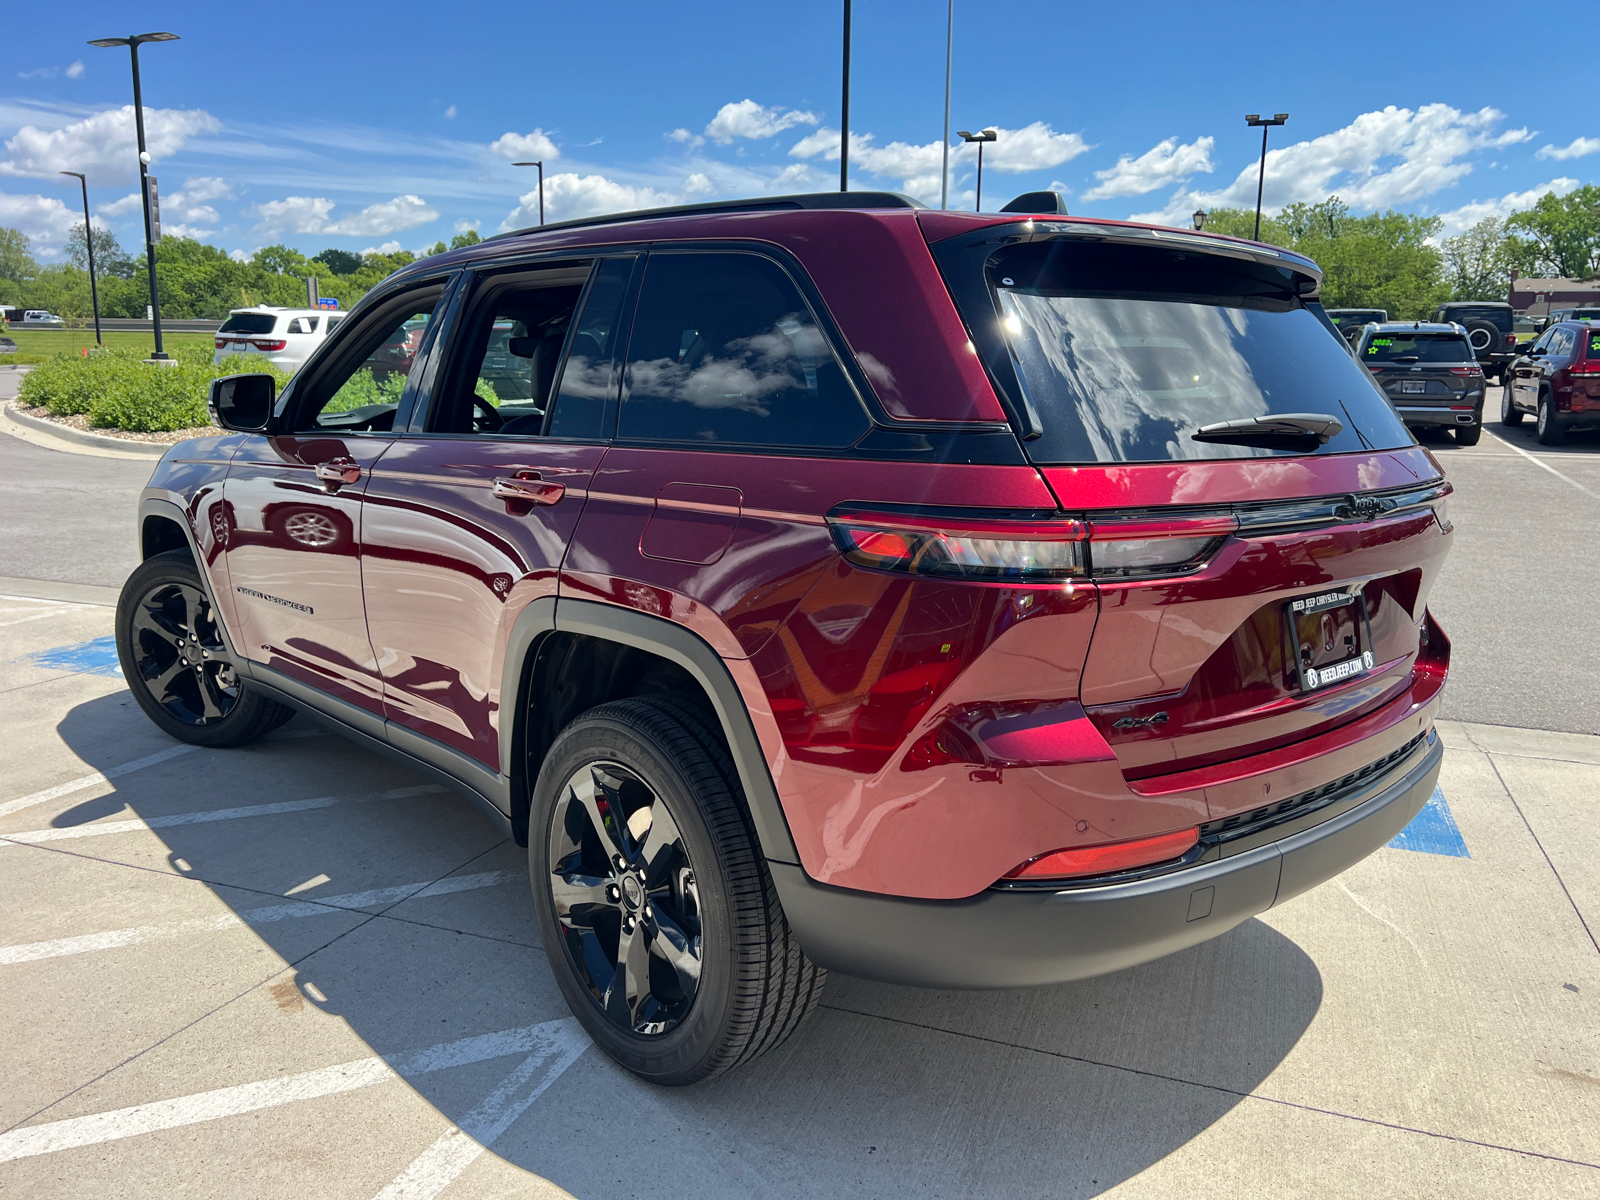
(98, 657)
(1433, 830)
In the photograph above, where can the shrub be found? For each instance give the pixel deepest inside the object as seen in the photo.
(117, 390)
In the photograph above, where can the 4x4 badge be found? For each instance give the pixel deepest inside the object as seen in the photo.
(1159, 718)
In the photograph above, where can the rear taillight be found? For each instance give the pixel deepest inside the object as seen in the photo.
(981, 547)
(221, 342)
(269, 344)
(1590, 367)
(1470, 371)
(1107, 857)
(1374, 367)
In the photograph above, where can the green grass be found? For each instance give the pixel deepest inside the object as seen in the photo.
(38, 345)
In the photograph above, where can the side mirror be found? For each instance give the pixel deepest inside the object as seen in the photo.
(243, 403)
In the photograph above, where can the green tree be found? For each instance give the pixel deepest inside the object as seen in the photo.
(1478, 262)
(340, 262)
(1561, 234)
(438, 248)
(16, 263)
(281, 260)
(109, 257)
(469, 238)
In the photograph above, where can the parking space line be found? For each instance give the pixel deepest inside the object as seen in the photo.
(30, 837)
(550, 1041)
(113, 939)
(43, 616)
(437, 1167)
(85, 781)
(1539, 462)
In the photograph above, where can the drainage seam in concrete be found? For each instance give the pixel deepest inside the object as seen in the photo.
(1528, 825)
(1213, 1087)
(289, 966)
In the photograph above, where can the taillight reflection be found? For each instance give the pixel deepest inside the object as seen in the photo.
(1107, 857)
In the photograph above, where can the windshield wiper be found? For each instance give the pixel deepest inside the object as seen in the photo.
(1407, 358)
(1282, 431)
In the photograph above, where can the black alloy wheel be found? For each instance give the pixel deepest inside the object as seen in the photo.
(177, 662)
(626, 898)
(656, 909)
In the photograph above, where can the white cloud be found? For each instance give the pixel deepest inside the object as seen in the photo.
(386, 248)
(699, 184)
(463, 225)
(1469, 215)
(449, 114)
(75, 71)
(1035, 147)
(1578, 148)
(530, 147)
(45, 219)
(238, 256)
(117, 208)
(309, 214)
(568, 196)
(183, 230)
(203, 188)
(1166, 163)
(747, 119)
(293, 214)
(103, 145)
(1394, 156)
(684, 138)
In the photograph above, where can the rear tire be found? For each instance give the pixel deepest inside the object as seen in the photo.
(1509, 415)
(1468, 435)
(177, 664)
(642, 856)
(1550, 431)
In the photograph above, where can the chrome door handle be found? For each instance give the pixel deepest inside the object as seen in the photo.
(528, 488)
(337, 472)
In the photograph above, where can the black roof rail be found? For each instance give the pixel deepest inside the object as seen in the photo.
(756, 204)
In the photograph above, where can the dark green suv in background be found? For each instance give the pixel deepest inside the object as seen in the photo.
(1489, 330)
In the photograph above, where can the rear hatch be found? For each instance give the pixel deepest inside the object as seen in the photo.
(1423, 371)
(1264, 530)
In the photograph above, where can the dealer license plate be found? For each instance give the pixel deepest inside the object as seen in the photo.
(1330, 637)
(1413, 387)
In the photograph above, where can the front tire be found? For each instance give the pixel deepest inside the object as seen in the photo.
(1550, 431)
(656, 909)
(1510, 414)
(177, 664)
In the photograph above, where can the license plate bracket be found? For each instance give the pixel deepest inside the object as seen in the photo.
(1329, 637)
(1413, 387)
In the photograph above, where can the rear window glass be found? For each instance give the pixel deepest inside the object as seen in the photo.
(1500, 318)
(249, 323)
(1417, 348)
(1123, 352)
(1345, 320)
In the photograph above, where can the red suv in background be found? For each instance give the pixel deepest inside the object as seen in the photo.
(960, 600)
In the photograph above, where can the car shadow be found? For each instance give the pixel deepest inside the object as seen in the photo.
(886, 1091)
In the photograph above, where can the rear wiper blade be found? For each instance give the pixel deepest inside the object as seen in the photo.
(1300, 431)
(1407, 358)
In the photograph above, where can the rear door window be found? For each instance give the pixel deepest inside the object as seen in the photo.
(255, 323)
(726, 351)
(1124, 351)
(1417, 348)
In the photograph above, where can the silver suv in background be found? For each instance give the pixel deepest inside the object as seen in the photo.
(1430, 374)
(285, 337)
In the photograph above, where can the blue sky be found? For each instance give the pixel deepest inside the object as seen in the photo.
(369, 126)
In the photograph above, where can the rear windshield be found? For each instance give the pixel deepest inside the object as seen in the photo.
(1356, 318)
(1417, 348)
(249, 323)
(1123, 352)
(1500, 318)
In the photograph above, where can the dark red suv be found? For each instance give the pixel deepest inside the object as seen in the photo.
(959, 600)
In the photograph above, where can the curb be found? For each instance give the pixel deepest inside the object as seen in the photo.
(78, 437)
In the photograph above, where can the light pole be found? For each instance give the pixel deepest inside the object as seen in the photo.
(540, 165)
(1199, 219)
(949, 50)
(986, 135)
(844, 109)
(88, 243)
(1252, 120)
(132, 43)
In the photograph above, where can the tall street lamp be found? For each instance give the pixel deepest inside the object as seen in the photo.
(540, 165)
(1253, 120)
(88, 242)
(986, 135)
(844, 109)
(133, 43)
(949, 50)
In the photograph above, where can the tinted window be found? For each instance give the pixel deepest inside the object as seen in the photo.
(725, 350)
(588, 377)
(248, 323)
(1498, 315)
(362, 390)
(1417, 348)
(1124, 351)
(1561, 344)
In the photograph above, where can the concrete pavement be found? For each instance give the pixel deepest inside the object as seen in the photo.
(296, 967)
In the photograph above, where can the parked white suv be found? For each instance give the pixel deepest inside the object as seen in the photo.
(285, 337)
(38, 316)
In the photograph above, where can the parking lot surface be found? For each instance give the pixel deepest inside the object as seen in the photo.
(296, 967)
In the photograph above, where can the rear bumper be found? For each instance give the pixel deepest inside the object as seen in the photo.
(1001, 938)
(1418, 415)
